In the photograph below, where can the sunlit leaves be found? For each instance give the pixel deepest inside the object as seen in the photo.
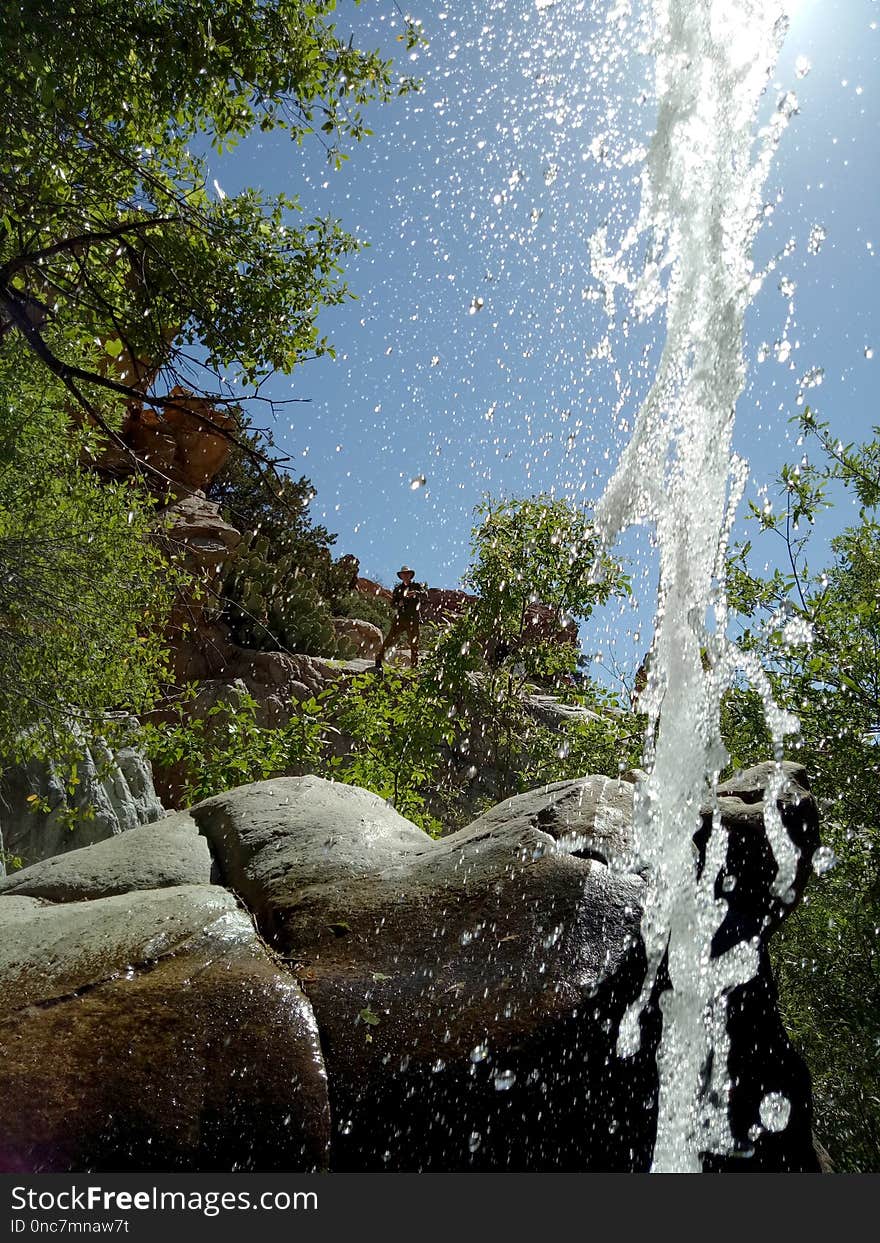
(104, 141)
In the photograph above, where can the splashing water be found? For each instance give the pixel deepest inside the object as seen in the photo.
(700, 211)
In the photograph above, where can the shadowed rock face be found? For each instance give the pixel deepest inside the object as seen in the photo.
(457, 984)
(462, 995)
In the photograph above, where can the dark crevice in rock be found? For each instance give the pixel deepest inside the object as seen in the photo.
(587, 852)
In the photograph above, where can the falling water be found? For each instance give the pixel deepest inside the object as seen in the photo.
(701, 207)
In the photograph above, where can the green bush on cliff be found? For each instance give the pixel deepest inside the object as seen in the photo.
(397, 728)
(83, 593)
(530, 554)
(827, 955)
(225, 747)
(283, 585)
(373, 609)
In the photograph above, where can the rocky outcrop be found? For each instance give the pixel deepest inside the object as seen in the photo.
(443, 604)
(449, 1004)
(362, 638)
(155, 856)
(186, 444)
(200, 543)
(367, 587)
(115, 792)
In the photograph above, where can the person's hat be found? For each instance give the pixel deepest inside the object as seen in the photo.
(405, 569)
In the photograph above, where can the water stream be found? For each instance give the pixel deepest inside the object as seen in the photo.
(700, 211)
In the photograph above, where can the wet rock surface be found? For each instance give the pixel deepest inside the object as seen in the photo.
(448, 1004)
(153, 1031)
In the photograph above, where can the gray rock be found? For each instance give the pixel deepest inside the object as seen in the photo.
(115, 793)
(418, 954)
(467, 992)
(362, 637)
(590, 817)
(273, 838)
(551, 711)
(155, 856)
(152, 1031)
(473, 986)
(753, 907)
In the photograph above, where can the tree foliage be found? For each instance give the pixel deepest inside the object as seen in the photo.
(109, 232)
(283, 584)
(83, 593)
(817, 634)
(536, 568)
(124, 272)
(462, 730)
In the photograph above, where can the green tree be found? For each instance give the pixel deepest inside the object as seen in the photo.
(123, 273)
(395, 728)
(537, 570)
(107, 226)
(283, 582)
(817, 634)
(226, 747)
(83, 593)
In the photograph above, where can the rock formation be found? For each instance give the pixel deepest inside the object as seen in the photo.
(361, 637)
(185, 445)
(115, 792)
(408, 1004)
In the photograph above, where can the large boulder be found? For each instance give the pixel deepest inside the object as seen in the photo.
(152, 1031)
(361, 637)
(273, 839)
(450, 1004)
(469, 990)
(154, 856)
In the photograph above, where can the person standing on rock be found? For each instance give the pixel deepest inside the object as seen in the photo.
(407, 600)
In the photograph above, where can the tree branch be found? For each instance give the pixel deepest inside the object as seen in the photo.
(83, 239)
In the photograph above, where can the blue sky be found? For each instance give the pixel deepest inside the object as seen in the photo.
(477, 355)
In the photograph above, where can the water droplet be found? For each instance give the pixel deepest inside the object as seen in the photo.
(788, 105)
(813, 378)
(418, 482)
(479, 1053)
(504, 1080)
(551, 172)
(802, 67)
(824, 860)
(474, 1141)
(476, 305)
(775, 1111)
(818, 234)
(869, 351)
